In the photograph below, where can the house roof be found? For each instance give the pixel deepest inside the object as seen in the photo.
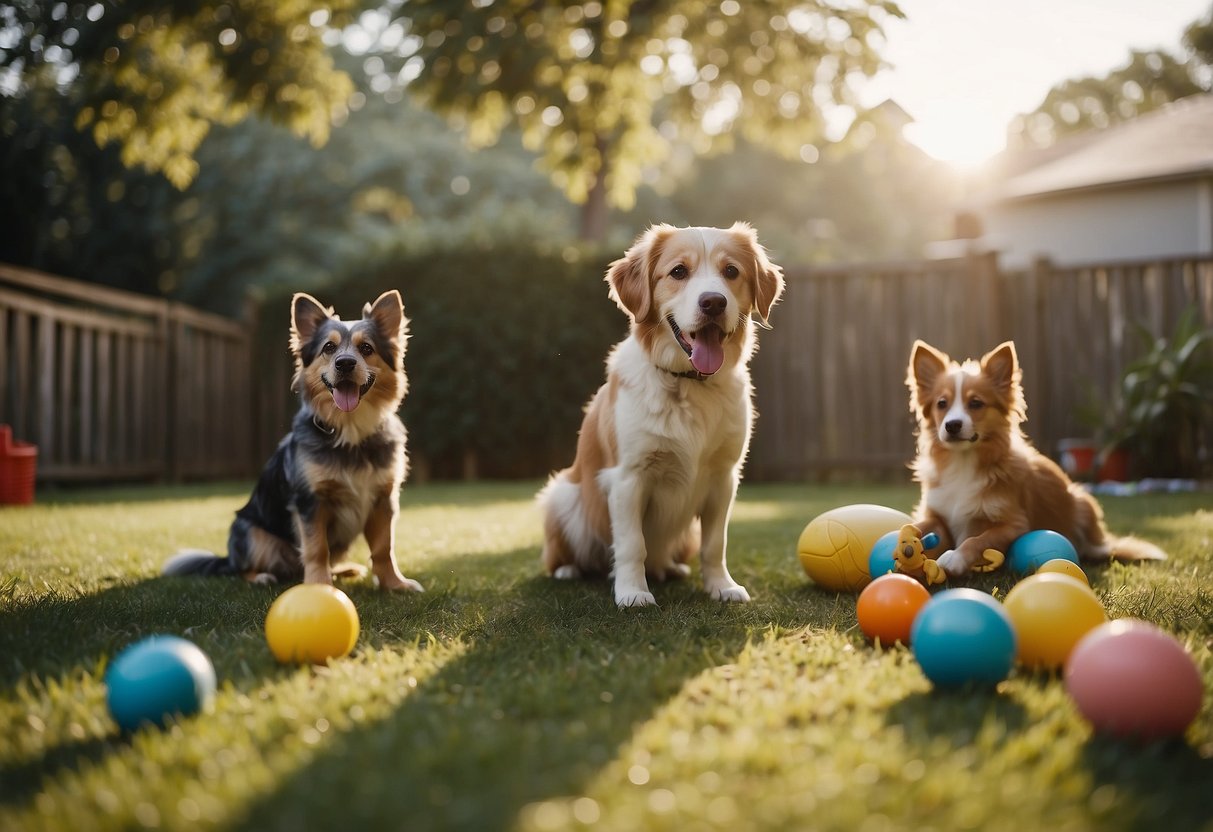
(1175, 141)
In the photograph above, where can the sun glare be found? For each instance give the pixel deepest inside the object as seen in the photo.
(958, 139)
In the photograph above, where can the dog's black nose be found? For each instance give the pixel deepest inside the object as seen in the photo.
(953, 426)
(345, 364)
(712, 303)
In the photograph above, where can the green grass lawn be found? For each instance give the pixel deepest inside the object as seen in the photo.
(500, 699)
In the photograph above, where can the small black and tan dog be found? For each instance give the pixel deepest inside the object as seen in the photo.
(338, 473)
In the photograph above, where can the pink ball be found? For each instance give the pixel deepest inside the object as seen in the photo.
(1131, 679)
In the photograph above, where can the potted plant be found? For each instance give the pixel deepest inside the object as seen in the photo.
(1164, 416)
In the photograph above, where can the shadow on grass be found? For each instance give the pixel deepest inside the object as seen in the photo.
(46, 635)
(1139, 791)
(955, 715)
(24, 780)
(556, 679)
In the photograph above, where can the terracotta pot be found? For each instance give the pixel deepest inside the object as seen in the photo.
(1079, 457)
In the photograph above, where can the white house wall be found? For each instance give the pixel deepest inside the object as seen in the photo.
(1121, 223)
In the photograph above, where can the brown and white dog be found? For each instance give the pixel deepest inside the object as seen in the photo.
(983, 484)
(661, 447)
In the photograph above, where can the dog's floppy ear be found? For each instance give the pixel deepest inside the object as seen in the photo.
(926, 365)
(307, 314)
(768, 278)
(387, 313)
(1001, 366)
(628, 276)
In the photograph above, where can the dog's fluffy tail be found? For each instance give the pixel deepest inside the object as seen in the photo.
(1133, 548)
(1125, 549)
(197, 562)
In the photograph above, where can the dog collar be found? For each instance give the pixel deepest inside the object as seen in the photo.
(322, 427)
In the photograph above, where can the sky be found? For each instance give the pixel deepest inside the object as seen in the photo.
(964, 68)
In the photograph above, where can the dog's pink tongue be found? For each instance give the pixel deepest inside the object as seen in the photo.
(707, 353)
(345, 396)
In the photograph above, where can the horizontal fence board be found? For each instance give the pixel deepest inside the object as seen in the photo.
(88, 374)
(1075, 329)
(114, 386)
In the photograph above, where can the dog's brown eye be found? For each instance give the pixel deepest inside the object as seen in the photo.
(329, 348)
(976, 404)
(365, 348)
(730, 271)
(942, 404)
(679, 272)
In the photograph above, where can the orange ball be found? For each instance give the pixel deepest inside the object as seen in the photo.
(887, 607)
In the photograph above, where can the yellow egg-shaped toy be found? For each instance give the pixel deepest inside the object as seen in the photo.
(1051, 612)
(1064, 567)
(835, 546)
(311, 623)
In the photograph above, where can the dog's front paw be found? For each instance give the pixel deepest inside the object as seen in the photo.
(634, 598)
(673, 572)
(399, 583)
(953, 563)
(568, 572)
(735, 593)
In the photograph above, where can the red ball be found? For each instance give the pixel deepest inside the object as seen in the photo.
(1131, 679)
(887, 607)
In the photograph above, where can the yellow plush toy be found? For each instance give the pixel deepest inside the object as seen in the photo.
(910, 557)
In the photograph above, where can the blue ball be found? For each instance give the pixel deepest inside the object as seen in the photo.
(880, 561)
(1034, 549)
(962, 636)
(156, 678)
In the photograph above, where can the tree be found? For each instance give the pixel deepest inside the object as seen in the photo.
(604, 89)
(153, 77)
(1149, 80)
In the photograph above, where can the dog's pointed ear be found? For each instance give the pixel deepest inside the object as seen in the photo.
(387, 313)
(629, 276)
(307, 314)
(1001, 366)
(926, 365)
(768, 278)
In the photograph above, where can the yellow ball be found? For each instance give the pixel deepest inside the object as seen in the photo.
(835, 546)
(1051, 612)
(311, 623)
(1064, 567)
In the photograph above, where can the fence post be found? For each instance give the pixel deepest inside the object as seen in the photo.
(171, 470)
(251, 315)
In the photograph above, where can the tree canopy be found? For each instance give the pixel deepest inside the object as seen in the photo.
(153, 77)
(1146, 82)
(604, 89)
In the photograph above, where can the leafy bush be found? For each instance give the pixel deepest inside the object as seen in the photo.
(506, 347)
(1166, 412)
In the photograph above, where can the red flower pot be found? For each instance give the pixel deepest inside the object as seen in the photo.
(18, 462)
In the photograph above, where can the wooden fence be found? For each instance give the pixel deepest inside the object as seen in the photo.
(829, 378)
(111, 385)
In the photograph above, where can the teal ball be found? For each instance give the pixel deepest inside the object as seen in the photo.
(1033, 550)
(157, 678)
(880, 561)
(962, 636)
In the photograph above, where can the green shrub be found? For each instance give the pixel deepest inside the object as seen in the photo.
(506, 347)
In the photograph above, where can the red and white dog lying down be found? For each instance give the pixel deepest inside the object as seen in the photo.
(983, 484)
(661, 447)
